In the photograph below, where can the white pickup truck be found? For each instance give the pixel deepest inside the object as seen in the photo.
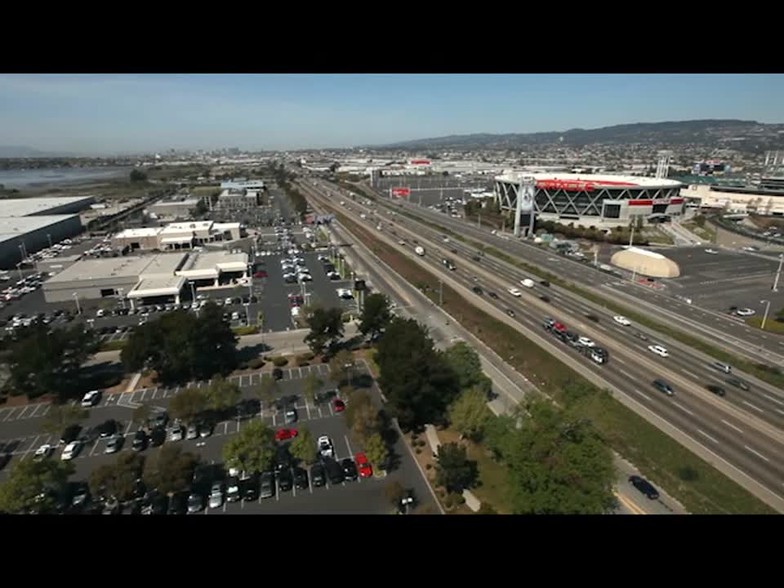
(528, 283)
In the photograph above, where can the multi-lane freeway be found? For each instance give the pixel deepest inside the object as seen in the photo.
(740, 433)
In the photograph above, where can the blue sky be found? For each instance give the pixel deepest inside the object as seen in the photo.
(122, 113)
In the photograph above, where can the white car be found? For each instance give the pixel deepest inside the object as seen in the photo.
(586, 342)
(71, 451)
(325, 446)
(345, 293)
(515, 292)
(43, 452)
(711, 251)
(622, 320)
(659, 350)
(303, 277)
(91, 398)
(745, 312)
(227, 302)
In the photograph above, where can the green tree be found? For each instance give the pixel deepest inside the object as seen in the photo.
(340, 366)
(267, 390)
(416, 380)
(117, 480)
(375, 315)
(138, 175)
(170, 469)
(141, 414)
(303, 447)
(469, 413)
(556, 464)
(362, 417)
(214, 344)
(465, 362)
(222, 394)
(188, 404)
(45, 361)
(454, 471)
(310, 386)
(32, 485)
(326, 329)
(252, 449)
(61, 416)
(376, 451)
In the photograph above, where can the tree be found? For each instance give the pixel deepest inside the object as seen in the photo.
(141, 414)
(375, 315)
(556, 464)
(61, 416)
(340, 366)
(188, 404)
(454, 470)
(394, 492)
(310, 386)
(170, 470)
(303, 447)
(469, 413)
(117, 480)
(267, 390)
(465, 362)
(252, 449)
(45, 361)
(362, 417)
(415, 378)
(222, 395)
(326, 329)
(138, 175)
(376, 451)
(214, 344)
(32, 485)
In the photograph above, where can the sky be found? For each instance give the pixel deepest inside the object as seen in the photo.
(103, 114)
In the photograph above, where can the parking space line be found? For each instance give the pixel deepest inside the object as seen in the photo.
(144, 393)
(128, 428)
(225, 428)
(46, 410)
(11, 411)
(95, 446)
(154, 393)
(348, 444)
(32, 446)
(273, 420)
(307, 409)
(299, 371)
(22, 413)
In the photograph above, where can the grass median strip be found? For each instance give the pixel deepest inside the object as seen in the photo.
(695, 483)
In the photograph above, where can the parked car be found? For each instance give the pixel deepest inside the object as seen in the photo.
(644, 486)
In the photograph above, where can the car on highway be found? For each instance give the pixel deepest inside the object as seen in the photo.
(478, 290)
(711, 251)
(493, 295)
(114, 444)
(644, 486)
(717, 390)
(738, 383)
(71, 450)
(363, 465)
(663, 386)
(515, 292)
(44, 451)
(721, 366)
(285, 434)
(585, 342)
(510, 312)
(659, 350)
(745, 312)
(91, 398)
(622, 320)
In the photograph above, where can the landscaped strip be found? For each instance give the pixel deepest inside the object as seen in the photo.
(696, 484)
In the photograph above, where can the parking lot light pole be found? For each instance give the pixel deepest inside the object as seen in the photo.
(765, 316)
(76, 298)
(778, 273)
(49, 236)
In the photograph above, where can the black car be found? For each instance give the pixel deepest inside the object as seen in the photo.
(478, 290)
(300, 478)
(335, 472)
(267, 483)
(349, 469)
(178, 504)
(157, 436)
(738, 383)
(195, 502)
(70, 434)
(545, 283)
(493, 295)
(663, 386)
(80, 496)
(277, 374)
(283, 458)
(233, 489)
(250, 488)
(717, 390)
(644, 486)
(544, 298)
(4, 459)
(285, 480)
(318, 475)
(160, 419)
(139, 441)
(139, 490)
(157, 504)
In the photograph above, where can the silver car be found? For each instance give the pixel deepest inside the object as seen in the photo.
(177, 433)
(216, 495)
(193, 431)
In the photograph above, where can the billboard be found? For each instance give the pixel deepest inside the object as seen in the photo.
(400, 192)
(526, 193)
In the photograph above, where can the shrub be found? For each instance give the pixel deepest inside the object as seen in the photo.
(429, 466)
(418, 450)
(308, 356)
(280, 361)
(460, 499)
(302, 362)
(688, 474)
(449, 501)
(256, 364)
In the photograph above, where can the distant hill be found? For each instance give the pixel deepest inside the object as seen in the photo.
(19, 152)
(743, 135)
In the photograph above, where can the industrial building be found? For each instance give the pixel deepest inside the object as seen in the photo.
(239, 199)
(139, 279)
(593, 199)
(28, 225)
(242, 184)
(178, 208)
(178, 236)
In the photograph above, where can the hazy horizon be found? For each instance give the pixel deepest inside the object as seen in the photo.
(124, 113)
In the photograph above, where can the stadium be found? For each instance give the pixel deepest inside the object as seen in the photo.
(593, 199)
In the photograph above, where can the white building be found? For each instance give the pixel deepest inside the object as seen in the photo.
(176, 236)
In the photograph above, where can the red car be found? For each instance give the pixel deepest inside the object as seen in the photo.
(338, 405)
(285, 434)
(363, 465)
(260, 274)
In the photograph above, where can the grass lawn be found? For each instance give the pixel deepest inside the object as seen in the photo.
(772, 324)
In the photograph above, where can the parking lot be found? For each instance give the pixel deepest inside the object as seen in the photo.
(21, 435)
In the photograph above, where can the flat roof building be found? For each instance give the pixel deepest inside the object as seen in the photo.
(178, 208)
(177, 236)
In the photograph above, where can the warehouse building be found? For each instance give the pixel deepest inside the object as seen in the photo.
(179, 208)
(178, 236)
(239, 199)
(141, 279)
(28, 225)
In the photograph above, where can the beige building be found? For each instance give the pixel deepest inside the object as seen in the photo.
(735, 200)
(178, 236)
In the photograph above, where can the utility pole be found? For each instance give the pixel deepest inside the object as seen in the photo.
(479, 220)
(440, 293)
(631, 238)
(596, 257)
(765, 316)
(778, 273)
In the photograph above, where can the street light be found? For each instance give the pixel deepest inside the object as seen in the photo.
(76, 298)
(765, 316)
(49, 236)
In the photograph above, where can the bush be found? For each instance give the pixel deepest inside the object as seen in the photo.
(308, 356)
(449, 501)
(418, 451)
(256, 364)
(460, 499)
(429, 466)
(280, 361)
(302, 362)
(688, 474)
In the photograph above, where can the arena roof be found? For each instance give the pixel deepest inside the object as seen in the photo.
(22, 207)
(599, 181)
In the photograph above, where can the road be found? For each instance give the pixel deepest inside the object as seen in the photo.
(739, 443)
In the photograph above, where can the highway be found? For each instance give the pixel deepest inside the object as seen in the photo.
(715, 327)
(740, 443)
